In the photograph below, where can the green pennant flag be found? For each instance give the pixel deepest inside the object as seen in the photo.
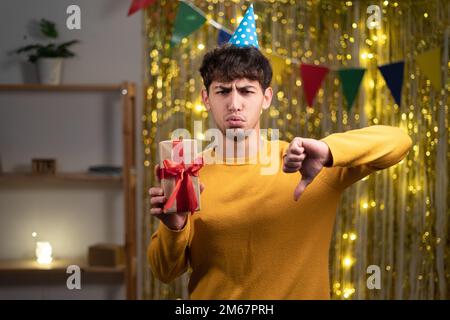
(351, 79)
(188, 20)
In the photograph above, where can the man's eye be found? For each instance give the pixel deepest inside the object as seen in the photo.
(222, 92)
(246, 91)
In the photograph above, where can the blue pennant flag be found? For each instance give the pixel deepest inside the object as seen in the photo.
(393, 75)
(223, 37)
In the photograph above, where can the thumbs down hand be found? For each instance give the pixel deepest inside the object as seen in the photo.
(308, 156)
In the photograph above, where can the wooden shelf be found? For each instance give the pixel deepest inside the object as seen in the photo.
(61, 87)
(57, 267)
(61, 177)
(30, 270)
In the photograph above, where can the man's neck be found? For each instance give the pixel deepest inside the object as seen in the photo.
(241, 146)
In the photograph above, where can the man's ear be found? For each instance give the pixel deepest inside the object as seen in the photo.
(268, 93)
(205, 99)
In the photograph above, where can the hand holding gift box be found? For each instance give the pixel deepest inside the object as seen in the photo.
(178, 172)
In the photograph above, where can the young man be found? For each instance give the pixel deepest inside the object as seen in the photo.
(252, 239)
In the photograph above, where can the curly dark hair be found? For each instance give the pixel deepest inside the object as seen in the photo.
(227, 63)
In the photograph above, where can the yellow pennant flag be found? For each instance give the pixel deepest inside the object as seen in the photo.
(278, 66)
(430, 63)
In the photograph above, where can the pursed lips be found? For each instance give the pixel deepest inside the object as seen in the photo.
(234, 118)
(235, 121)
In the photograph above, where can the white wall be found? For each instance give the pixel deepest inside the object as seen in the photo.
(78, 129)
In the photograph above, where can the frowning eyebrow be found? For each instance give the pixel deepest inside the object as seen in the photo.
(239, 88)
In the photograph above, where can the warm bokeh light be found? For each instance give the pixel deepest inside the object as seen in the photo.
(347, 262)
(43, 252)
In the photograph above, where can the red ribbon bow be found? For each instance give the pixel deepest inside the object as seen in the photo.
(184, 190)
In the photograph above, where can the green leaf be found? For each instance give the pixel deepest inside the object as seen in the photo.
(48, 28)
(28, 48)
(48, 51)
(68, 44)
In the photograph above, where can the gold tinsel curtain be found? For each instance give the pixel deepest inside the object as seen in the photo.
(396, 219)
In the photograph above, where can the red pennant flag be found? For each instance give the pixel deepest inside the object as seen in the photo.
(312, 77)
(137, 5)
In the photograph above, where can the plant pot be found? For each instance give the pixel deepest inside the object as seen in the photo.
(49, 70)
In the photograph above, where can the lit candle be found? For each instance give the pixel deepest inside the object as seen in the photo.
(43, 252)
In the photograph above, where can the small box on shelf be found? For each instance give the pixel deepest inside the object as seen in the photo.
(43, 166)
(106, 255)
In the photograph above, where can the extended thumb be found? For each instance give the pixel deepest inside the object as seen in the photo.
(300, 188)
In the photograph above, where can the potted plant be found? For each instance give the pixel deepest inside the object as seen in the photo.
(49, 57)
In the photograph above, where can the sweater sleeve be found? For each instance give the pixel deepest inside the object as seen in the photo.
(167, 252)
(358, 153)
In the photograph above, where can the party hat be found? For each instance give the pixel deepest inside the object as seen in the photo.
(245, 34)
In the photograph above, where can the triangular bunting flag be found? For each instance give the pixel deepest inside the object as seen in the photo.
(393, 75)
(223, 37)
(278, 65)
(137, 5)
(312, 77)
(351, 79)
(188, 20)
(430, 63)
(245, 34)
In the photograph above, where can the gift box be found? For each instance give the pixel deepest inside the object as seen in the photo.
(179, 175)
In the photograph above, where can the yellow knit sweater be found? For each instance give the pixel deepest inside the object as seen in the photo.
(251, 240)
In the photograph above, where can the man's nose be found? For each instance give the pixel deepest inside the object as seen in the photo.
(235, 101)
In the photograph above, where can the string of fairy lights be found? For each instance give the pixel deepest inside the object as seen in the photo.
(395, 219)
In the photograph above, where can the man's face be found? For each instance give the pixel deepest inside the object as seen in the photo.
(236, 104)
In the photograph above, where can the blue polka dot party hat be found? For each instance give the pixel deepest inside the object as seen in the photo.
(245, 34)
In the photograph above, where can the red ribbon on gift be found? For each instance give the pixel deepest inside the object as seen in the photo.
(184, 191)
